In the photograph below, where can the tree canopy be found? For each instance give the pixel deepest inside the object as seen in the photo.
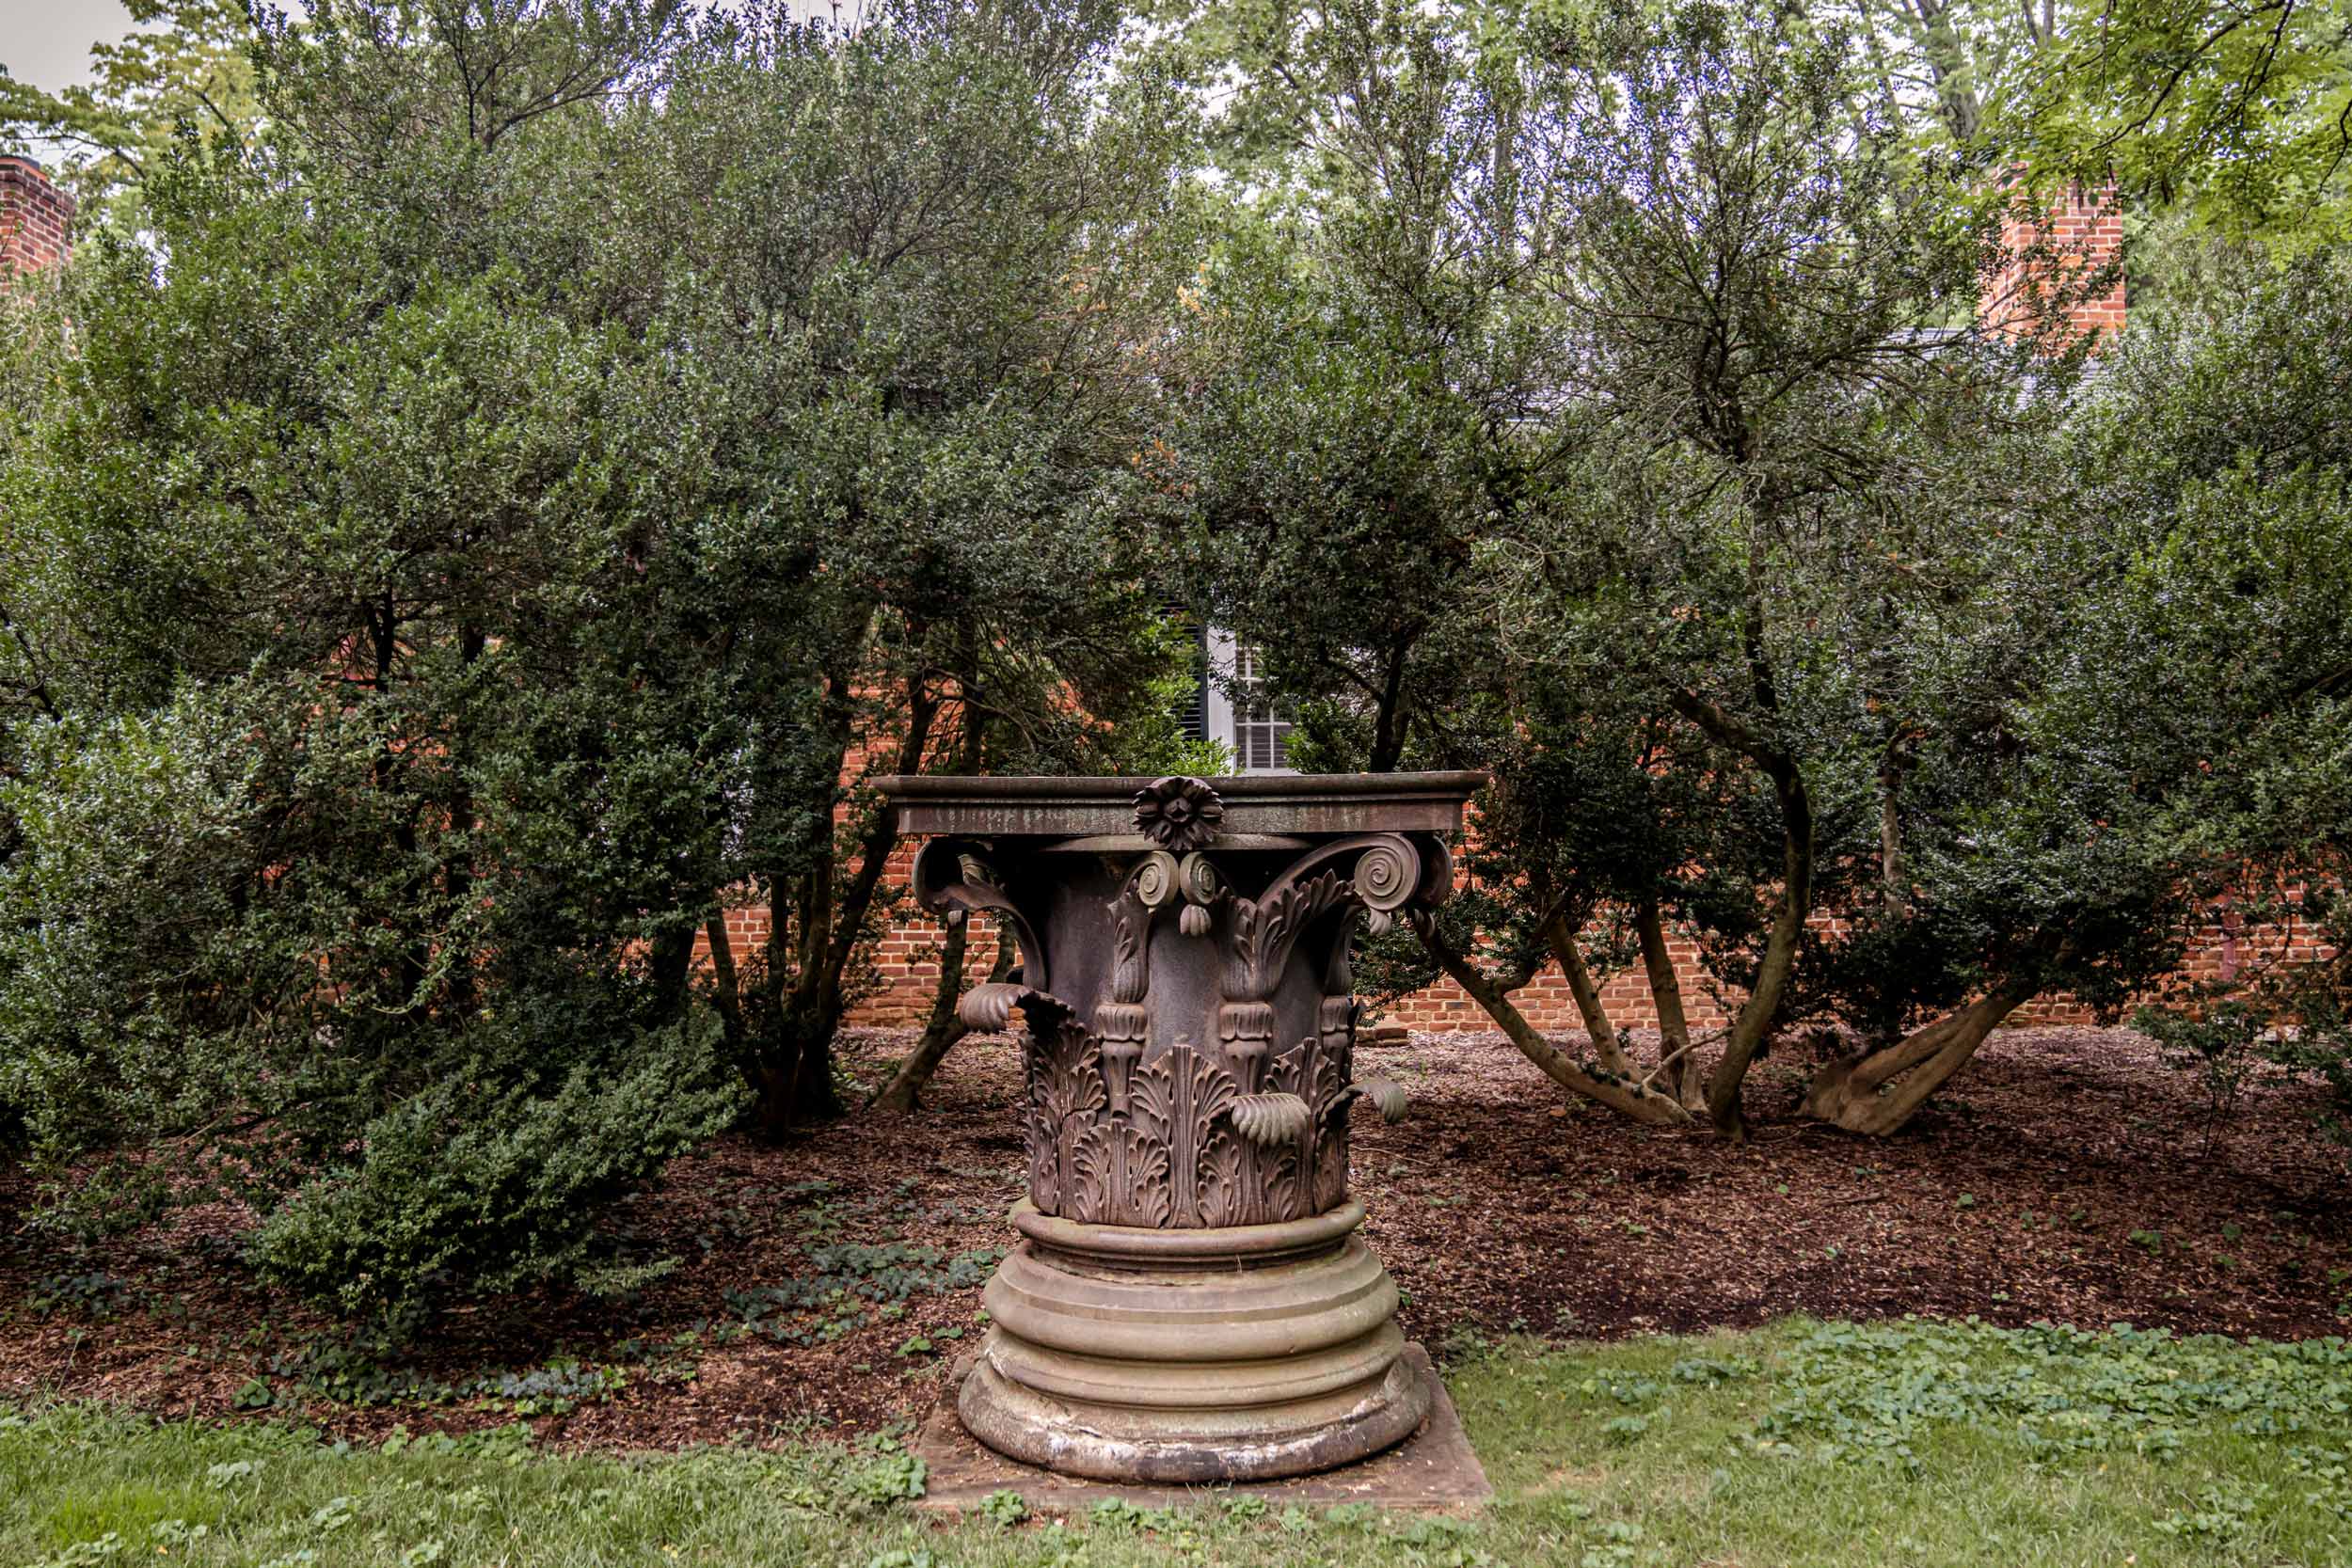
(460, 553)
(496, 482)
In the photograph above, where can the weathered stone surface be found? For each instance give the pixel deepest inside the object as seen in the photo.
(1187, 1303)
(1192, 1356)
(1433, 1471)
(1327, 804)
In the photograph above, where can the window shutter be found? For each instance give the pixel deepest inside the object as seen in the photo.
(1192, 713)
(1261, 736)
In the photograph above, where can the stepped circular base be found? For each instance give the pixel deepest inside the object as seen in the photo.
(1192, 1356)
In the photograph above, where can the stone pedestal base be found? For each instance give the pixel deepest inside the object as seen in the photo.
(1434, 1470)
(1192, 1356)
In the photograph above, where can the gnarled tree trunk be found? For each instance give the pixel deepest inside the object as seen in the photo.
(1679, 1065)
(817, 915)
(904, 1092)
(1606, 1049)
(1761, 1011)
(1875, 1092)
(1619, 1094)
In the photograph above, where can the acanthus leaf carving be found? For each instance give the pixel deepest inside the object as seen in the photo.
(1226, 1135)
(1152, 1120)
(1065, 1079)
(1329, 1155)
(1149, 1156)
(1144, 1198)
(955, 876)
(1315, 1070)
(1131, 943)
(1093, 1171)
(1266, 929)
(1224, 1195)
(1279, 1197)
(1269, 1119)
(988, 1008)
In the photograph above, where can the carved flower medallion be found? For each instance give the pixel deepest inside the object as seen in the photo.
(1178, 813)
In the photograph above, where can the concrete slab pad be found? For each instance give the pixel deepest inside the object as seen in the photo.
(1433, 1471)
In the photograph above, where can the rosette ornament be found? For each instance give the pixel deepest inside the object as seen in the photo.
(1179, 814)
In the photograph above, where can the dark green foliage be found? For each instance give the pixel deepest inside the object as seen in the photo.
(913, 270)
(87, 1297)
(2229, 426)
(1639, 357)
(490, 1188)
(1331, 467)
(365, 1370)
(454, 555)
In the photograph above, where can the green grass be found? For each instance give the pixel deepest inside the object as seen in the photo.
(1820, 1445)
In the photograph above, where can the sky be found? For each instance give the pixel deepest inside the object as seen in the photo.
(46, 42)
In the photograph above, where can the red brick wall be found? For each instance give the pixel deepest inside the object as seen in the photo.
(1625, 996)
(2224, 948)
(2085, 228)
(908, 961)
(36, 218)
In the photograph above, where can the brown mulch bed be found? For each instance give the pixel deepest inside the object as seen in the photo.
(2064, 1174)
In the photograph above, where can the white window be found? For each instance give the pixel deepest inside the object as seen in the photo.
(1239, 713)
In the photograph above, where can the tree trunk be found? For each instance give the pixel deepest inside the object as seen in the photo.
(1762, 1007)
(793, 1079)
(1389, 720)
(904, 1092)
(1678, 1064)
(905, 1089)
(798, 1059)
(815, 1096)
(1606, 1049)
(669, 967)
(1859, 1093)
(773, 1101)
(1950, 66)
(725, 990)
(1626, 1097)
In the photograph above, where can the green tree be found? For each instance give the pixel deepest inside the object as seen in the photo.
(2234, 114)
(2218, 423)
(1755, 570)
(314, 856)
(1387, 365)
(2241, 113)
(1849, 563)
(449, 558)
(184, 71)
(1944, 631)
(927, 266)
(1374, 374)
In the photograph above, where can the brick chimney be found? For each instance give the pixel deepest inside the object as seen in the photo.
(36, 218)
(2045, 247)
